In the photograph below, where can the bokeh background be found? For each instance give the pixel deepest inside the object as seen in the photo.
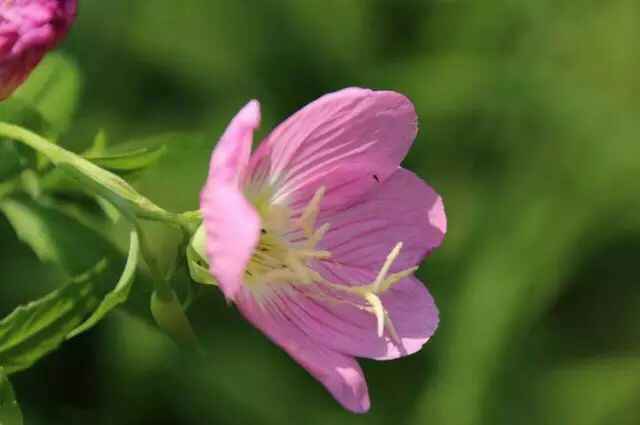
(529, 115)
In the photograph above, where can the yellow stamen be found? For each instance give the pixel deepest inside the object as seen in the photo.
(378, 310)
(317, 236)
(310, 214)
(277, 262)
(387, 264)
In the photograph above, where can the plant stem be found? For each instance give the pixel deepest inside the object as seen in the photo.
(103, 182)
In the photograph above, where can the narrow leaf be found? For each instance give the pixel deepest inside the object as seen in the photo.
(37, 328)
(120, 293)
(128, 161)
(99, 145)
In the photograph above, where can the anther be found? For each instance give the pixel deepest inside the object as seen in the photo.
(308, 218)
(393, 255)
(378, 310)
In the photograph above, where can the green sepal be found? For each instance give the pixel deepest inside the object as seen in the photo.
(196, 259)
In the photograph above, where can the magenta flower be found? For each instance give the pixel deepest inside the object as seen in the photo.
(28, 30)
(315, 237)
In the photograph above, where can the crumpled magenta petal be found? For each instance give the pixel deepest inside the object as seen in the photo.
(28, 30)
(346, 141)
(231, 223)
(340, 374)
(352, 331)
(403, 209)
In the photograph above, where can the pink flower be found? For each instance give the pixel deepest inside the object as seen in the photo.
(315, 236)
(28, 30)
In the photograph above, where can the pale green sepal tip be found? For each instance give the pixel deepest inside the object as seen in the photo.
(196, 259)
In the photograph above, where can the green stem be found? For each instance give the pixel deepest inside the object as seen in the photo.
(103, 182)
(165, 305)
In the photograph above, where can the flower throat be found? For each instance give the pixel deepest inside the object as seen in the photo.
(280, 263)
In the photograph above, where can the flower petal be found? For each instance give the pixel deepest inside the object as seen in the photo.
(343, 141)
(232, 225)
(232, 228)
(341, 375)
(404, 209)
(231, 155)
(352, 331)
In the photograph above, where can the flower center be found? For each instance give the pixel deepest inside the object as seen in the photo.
(280, 261)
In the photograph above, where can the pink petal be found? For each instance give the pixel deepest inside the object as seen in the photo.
(232, 225)
(343, 141)
(352, 331)
(231, 155)
(341, 375)
(404, 209)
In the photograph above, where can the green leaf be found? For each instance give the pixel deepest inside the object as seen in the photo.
(128, 161)
(55, 237)
(120, 293)
(35, 329)
(10, 413)
(99, 144)
(53, 89)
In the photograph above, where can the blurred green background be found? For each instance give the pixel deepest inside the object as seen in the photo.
(529, 115)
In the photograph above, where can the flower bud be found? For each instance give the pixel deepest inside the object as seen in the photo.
(28, 30)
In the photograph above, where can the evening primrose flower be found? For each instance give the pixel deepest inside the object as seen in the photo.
(28, 30)
(315, 237)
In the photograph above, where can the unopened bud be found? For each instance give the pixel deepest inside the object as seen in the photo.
(28, 30)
